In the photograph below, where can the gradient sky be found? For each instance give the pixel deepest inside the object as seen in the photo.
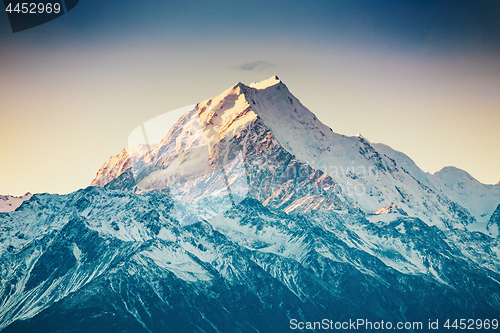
(420, 76)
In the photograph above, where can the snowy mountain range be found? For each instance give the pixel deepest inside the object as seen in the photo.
(370, 176)
(248, 215)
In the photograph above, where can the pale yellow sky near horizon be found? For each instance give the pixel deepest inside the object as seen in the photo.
(65, 112)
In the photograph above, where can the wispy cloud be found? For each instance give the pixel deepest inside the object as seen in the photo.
(256, 65)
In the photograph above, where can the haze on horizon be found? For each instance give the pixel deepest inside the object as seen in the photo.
(420, 76)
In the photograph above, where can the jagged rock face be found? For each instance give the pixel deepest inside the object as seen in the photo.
(494, 222)
(119, 163)
(100, 260)
(391, 209)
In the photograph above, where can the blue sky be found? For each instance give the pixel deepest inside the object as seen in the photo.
(420, 76)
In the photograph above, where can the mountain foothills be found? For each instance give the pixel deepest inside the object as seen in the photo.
(250, 215)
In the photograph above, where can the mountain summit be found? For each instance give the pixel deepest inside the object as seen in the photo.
(273, 80)
(266, 120)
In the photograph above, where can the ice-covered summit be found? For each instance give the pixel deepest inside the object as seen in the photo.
(264, 117)
(273, 80)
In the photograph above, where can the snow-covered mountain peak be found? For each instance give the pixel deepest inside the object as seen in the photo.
(255, 118)
(10, 203)
(273, 80)
(225, 114)
(119, 163)
(458, 185)
(453, 172)
(291, 123)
